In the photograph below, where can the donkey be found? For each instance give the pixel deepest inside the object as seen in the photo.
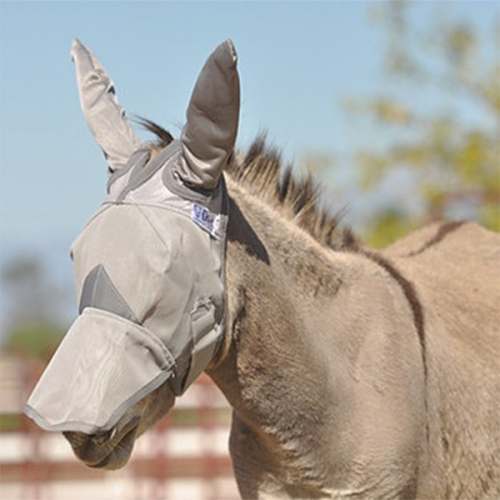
(351, 373)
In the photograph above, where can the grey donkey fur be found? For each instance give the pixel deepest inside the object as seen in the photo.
(351, 373)
(337, 390)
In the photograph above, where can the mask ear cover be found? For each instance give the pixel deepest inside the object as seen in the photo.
(212, 117)
(101, 109)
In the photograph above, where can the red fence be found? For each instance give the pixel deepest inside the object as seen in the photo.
(184, 457)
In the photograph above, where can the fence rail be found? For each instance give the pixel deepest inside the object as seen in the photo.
(184, 457)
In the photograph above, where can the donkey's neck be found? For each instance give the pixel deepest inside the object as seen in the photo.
(272, 374)
(314, 340)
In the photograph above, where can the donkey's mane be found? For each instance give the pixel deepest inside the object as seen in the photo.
(261, 171)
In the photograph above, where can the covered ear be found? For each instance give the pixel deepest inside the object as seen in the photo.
(209, 136)
(101, 109)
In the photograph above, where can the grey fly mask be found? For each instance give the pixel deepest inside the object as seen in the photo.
(149, 266)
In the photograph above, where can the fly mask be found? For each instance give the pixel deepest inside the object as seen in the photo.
(149, 266)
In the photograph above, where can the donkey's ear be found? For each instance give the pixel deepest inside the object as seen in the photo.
(101, 109)
(209, 135)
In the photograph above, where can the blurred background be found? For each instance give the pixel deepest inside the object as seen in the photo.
(393, 105)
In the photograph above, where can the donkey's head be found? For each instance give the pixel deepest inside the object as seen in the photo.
(149, 269)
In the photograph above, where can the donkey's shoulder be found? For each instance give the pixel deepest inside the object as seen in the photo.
(454, 269)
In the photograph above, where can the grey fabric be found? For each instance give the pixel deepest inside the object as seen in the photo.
(122, 176)
(101, 109)
(89, 385)
(204, 339)
(98, 291)
(144, 170)
(149, 268)
(212, 120)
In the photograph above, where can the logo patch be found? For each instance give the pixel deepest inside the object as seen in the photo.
(205, 219)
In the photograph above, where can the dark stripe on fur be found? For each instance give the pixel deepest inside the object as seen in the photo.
(444, 230)
(415, 305)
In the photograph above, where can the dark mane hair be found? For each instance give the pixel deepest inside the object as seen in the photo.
(260, 170)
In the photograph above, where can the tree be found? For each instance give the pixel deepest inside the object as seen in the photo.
(455, 160)
(438, 123)
(34, 325)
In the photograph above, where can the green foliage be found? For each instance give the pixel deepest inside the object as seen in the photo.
(490, 214)
(34, 325)
(455, 160)
(388, 227)
(36, 339)
(10, 422)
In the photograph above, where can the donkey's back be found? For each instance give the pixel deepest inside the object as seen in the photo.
(455, 270)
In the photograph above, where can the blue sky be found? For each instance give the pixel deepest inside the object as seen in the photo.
(299, 61)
